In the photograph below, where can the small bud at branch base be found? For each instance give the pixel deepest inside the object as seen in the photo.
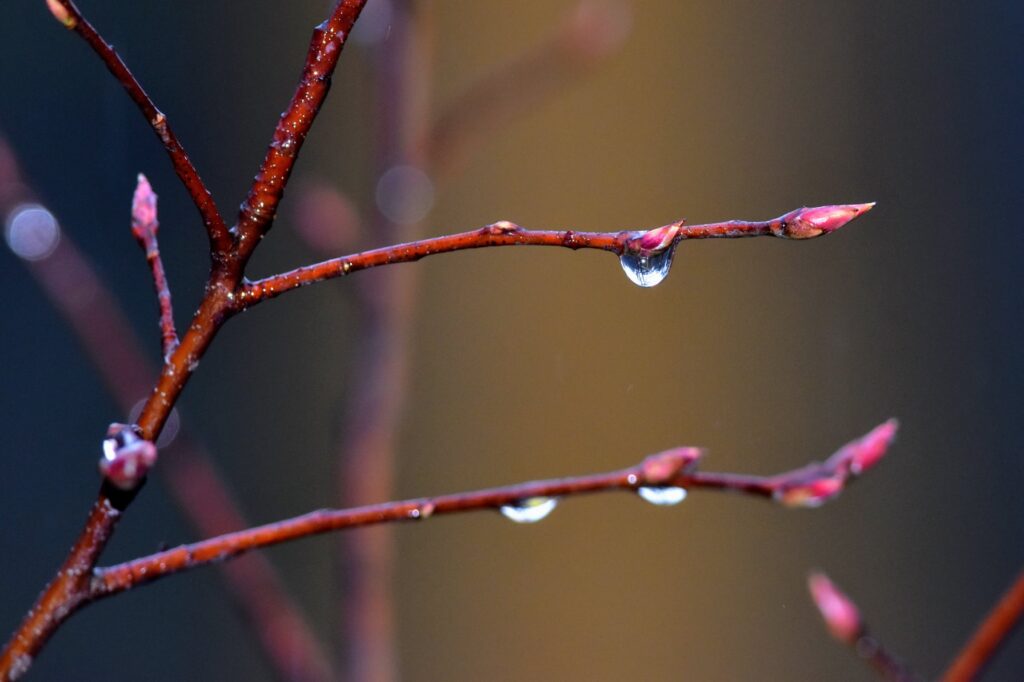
(664, 466)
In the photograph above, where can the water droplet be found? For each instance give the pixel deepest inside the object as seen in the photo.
(530, 510)
(647, 270)
(663, 496)
(110, 447)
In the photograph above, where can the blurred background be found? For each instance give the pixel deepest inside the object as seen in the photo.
(532, 363)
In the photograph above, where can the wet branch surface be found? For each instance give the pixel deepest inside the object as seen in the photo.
(794, 225)
(675, 469)
(79, 581)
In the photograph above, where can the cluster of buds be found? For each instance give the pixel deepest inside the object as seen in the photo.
(819, 483)
(127, 457)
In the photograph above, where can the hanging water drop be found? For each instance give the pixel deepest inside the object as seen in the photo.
(647, 270)
(530, 510)
(663, 496)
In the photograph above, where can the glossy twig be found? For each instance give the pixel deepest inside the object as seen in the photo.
(672, 468)
(66, 592)
(844, 622)
(220, 238)
(96, 318)
(257, 212)
(803, 223)
(990, 635)
(144, 228)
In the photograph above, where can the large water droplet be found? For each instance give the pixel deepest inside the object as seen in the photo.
(647, 271)
(662, 496)
(530, 510)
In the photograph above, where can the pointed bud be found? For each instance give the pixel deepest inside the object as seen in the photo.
(665, 466)
(127, 458)
(840, 614)
(143, 209)
(60, 12)
(865, 452)
(805, 223)
(656, 240)
(810, 494)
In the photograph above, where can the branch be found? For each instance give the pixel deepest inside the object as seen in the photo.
(1001, 621)
(95, 317)
(68, 14)
(845, 624)
(661, 479)
(644, 246)
(144, 227)
(256, 215)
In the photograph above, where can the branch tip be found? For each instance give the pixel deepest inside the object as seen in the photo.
(806, 223)
(60, 12)
(144, 220)
(841, 615)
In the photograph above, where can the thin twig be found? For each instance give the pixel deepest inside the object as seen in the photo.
(844, 622)
(65, 593)
(257, 212)
(803, 223)
(95, 317)
(144, 226)
(651, 478)
(220, 238)
(991, 634)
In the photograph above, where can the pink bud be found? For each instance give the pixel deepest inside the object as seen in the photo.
(870, 449)
(60, 13)
(810, 494)
(127, 458)
(804, 223)
(143, 208)
(656, 240)
(840, 613)
(860, 455)
(664, 466)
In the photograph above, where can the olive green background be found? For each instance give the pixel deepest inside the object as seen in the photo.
(532, 363)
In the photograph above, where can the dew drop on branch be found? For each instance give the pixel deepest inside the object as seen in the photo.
(530, 510)
(664, 496)
(647, 270)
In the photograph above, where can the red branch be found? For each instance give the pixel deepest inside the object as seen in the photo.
(1001, 621)
(844, 623)
(144, 227)
(220, 238)
(67, 591)
(669, 469)
(257, 212)
(803, 223)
